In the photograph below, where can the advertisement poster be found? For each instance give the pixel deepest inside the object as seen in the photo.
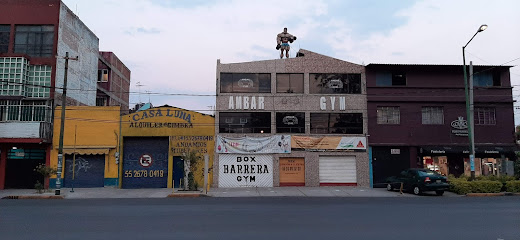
(252, 145)
(328, 143)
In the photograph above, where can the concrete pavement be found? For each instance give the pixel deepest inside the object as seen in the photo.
(110, 192)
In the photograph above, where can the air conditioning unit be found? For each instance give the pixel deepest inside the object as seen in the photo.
(335, 83)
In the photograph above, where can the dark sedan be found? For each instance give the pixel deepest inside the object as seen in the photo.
(418, 180)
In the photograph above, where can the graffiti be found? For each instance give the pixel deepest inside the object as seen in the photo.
(81, 164)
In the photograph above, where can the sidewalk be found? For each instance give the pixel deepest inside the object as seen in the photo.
(109, 192)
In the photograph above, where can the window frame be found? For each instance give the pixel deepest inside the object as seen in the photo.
(5, 33)
(39, 47)
(485, 116)
(350, 83)
(432, 120)
(291, 80)
(384, 111)
(320, 118)
(232, 122)
(263, 80)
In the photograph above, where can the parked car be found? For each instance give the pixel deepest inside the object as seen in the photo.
(418, 180)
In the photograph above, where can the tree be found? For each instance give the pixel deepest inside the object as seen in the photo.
(46, 172)
(191, 161)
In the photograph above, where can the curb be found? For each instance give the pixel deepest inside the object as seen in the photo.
(491, 194)
(33, 197)
(186, 195)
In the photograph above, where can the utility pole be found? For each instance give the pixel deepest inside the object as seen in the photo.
(62, 123)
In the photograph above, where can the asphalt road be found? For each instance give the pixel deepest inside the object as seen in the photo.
(263, 218)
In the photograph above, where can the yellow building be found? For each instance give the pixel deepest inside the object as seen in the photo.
(93, 134)
(155, 141)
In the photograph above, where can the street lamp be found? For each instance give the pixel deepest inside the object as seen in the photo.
(470, 119)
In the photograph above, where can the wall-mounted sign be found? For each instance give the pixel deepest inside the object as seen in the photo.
(140, 119)
(395, 151)
(245, 170)
(337, 143)
(252, 145)
(459, 127)
(332, 103)
(245, 103)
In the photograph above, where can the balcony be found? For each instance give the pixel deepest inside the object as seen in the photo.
(41, 131)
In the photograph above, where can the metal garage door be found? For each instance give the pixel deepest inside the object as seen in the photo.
(145, 162)
(89, 171)
(338, 171)
(292, 172)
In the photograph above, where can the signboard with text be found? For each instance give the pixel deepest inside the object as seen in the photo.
(245, 170)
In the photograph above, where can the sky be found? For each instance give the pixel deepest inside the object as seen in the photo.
(172, 46)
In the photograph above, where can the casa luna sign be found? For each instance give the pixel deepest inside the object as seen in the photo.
(154, 118)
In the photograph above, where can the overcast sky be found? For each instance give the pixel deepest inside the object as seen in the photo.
(172, 46)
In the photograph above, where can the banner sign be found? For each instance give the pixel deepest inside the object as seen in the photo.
(252, 145)
(327, 143)
(245, 170)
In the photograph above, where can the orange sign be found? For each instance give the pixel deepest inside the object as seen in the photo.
(292, 172)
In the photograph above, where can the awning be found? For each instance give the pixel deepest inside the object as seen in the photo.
(484, 151)
(87, 151)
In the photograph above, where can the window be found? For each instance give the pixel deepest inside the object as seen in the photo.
(35, 41)
(13, 76)
(325, 83)
(388, 115)
(245, 122)
(101, 101)
(5, 32)
(26, 111)
(39, 83)
(486, 79)
(337, 123)
(245, 82)
(103, 75)
(485, 116)
(432, 115)
(390, 79)
(290, 122)
(289, 83)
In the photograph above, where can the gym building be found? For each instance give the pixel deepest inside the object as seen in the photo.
(291, 122)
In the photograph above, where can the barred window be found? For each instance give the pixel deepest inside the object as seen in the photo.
(388, 115)
(25, 111)
(485, 116)
(432, 115)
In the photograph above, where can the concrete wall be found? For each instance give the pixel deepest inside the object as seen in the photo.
(75, 37)
(94, 129)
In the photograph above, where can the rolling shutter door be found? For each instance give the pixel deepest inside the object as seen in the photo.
(89, 171)
(145, 162)
(338, 171)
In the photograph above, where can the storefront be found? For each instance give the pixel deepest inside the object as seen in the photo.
(489, 160)
(155, 141)
(284, 160)
(90, 150)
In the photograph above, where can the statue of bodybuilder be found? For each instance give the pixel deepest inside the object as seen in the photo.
(282, 40)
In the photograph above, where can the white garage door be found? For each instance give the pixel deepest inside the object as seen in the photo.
(338, 171)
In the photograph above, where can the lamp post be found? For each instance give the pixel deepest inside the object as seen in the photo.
(470, 120)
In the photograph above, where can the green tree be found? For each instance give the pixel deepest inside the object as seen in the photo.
(191, 161)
